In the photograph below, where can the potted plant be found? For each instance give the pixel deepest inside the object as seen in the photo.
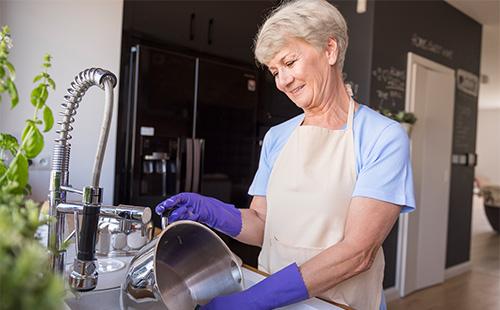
(406, 119)
(26, 281)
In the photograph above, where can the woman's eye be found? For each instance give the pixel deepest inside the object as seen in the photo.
(290, 63)
(274, 74)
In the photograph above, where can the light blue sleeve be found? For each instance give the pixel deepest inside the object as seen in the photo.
(386, 173)
(383, 305)
(259, 184)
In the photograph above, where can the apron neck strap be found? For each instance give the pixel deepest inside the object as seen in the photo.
(350, 115)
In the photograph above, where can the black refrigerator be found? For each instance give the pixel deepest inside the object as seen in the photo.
(189, 125)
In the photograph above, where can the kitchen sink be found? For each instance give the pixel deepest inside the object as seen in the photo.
(107, 294)
(95, 300)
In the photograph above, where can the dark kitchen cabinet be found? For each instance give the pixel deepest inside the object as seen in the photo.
(169, 21)
(220, 28)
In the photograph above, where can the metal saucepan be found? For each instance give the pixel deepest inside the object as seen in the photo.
(186, 265)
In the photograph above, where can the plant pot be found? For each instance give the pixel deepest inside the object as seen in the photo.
(491, 195)
(493, 215)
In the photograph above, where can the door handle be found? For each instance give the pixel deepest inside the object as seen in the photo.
(198, 146)
(189, 165)
(210, 30)
(130, 156)
(191, 27)
(179, 164)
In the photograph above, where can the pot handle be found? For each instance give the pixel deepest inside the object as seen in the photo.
(164, 218)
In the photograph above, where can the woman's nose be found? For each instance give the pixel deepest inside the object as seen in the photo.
(283, 79)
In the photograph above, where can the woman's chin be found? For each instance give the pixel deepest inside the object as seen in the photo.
(302, 104)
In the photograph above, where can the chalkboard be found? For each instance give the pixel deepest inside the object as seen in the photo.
(464, 127)
(389, 85)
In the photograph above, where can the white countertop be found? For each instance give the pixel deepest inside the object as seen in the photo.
(107, 294)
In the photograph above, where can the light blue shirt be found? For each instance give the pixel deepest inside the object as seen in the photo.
(382, 151)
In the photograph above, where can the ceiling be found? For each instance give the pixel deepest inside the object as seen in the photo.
(486, 12)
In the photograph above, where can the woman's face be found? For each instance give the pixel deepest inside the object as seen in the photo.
(304, 73)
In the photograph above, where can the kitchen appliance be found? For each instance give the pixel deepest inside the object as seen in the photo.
(189, 125)
(186, 265)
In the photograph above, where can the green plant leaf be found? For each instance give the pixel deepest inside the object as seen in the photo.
(2, 168)
(48, 119)
(9, 142)
(35, 94)
(47, 58)
(39, 96)
(51, 83)
(11, 69)
(27, 189)
(44, 94)
(14, 97)
(18, 172)
(32, 140)
(38, 78)
(2, 72)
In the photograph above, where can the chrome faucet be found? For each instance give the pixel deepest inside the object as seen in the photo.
(83, 276)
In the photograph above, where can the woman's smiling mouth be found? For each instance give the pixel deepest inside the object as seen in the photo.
(296, 90)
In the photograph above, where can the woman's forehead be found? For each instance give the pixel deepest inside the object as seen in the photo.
(291, 48)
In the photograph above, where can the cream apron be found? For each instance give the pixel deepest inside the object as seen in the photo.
(308, 197)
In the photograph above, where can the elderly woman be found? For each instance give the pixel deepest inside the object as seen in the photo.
(330, 184)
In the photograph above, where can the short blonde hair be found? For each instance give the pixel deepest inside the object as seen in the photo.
(314, 21)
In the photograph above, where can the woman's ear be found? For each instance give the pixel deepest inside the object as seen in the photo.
(332, 51)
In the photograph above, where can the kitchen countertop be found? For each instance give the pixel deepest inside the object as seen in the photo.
(107, 294)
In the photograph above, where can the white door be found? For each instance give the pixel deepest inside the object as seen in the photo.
(422, 239)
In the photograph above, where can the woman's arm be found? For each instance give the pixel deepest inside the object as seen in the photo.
(253, 222)
(369, 221)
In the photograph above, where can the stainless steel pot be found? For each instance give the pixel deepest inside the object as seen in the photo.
(185, 266)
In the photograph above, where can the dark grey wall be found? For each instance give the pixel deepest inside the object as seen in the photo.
(357, 66)
(439, 32)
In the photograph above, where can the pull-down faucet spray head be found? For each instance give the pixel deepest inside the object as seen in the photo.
(84, 274)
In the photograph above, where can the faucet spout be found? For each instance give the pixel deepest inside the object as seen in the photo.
(84, 274)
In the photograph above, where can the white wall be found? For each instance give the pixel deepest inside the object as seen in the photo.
(79, 34)
(489, 93)
(488, 145)
(488, 141)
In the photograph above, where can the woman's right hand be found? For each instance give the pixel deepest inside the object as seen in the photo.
(207, 210)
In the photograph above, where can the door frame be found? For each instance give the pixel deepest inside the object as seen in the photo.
(404, 239)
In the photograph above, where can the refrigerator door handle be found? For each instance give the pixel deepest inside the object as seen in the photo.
(131, 131)
(189, 165)
(199, 145)
(179, 164)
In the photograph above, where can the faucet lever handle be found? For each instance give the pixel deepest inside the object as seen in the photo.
(71, 189)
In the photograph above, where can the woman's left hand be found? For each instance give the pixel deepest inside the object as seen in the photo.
(210, 211)
(282, 288)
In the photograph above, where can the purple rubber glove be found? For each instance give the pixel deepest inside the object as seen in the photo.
(280, 289)
(210, 211)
